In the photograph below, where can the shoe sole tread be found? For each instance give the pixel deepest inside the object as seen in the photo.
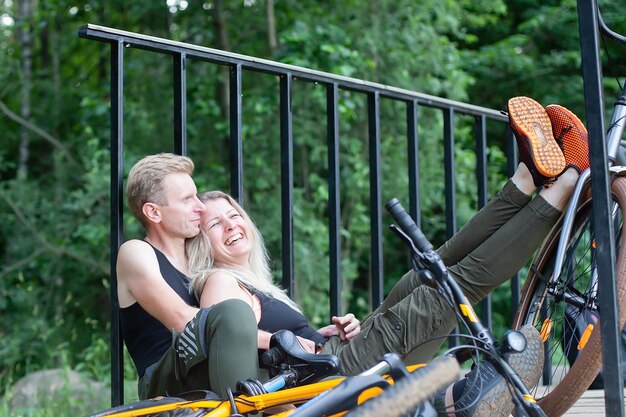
(531, 123)
(529, 365)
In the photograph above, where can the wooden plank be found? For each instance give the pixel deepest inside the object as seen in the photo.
(590, 404)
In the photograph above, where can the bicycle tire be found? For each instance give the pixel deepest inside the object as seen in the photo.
(546, 311)
(411, 391)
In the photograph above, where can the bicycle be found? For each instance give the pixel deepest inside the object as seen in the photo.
(289, 365)
(561, 288)
(369, 393)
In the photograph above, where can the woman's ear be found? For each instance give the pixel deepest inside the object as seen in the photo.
(152, 212)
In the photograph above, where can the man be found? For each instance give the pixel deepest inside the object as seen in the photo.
(174, 344)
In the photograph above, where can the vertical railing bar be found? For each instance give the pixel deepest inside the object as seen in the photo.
(480, 135)
(117, 212)
(512, 162)
(334, 213)
(376, 249)
(512, 159)
(450, 185)
(286, 182)
(413, 161)
(450, 171)
(236, 140)
(594, 109)
(180, 102)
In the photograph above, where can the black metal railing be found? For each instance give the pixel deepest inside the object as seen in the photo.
(180, 53)
(589, 29)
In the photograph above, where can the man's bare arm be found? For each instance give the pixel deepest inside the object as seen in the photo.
(139, 280)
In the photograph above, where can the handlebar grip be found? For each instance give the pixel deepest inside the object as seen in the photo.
(408, 226)
(272, 357)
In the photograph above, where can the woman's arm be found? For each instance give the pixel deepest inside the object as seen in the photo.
(264, 339)
(221, 286)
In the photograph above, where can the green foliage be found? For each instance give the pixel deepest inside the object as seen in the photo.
(54, 221)
(94, 364)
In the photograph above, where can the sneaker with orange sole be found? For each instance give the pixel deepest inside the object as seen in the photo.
(538, 149)
(571, 135)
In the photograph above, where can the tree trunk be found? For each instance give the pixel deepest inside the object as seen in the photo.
(271, 27)
(222, 86)
(223, 43)
(55, 29)
(25, 14)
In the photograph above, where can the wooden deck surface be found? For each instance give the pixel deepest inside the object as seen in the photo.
(591, 404)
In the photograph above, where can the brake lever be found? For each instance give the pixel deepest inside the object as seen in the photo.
(419, 261)
(407, 240)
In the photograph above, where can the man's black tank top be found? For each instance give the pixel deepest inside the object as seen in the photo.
(276, 315)
(146, 338)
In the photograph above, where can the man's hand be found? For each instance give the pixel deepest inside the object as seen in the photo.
(346, 327)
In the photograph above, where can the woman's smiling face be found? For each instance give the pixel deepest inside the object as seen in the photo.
(227, 232)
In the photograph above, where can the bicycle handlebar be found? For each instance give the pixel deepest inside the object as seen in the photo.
(407, 225)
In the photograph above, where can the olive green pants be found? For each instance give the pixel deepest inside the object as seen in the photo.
(495, 244)
(217, 348)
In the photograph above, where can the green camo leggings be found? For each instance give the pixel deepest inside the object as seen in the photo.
(217, 348)
(486, 252)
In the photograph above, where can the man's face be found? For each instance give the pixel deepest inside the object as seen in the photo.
(181, 215)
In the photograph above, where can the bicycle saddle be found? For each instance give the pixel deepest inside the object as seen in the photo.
(286, 353)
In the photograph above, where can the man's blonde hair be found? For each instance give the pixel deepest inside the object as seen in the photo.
(145, 180)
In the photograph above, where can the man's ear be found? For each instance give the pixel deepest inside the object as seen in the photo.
(152, 212)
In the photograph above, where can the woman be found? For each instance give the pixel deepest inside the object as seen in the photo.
(237, 267)
(228, 258)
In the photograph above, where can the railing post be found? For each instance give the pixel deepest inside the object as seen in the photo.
(334, 224)
(376, 249)
(117, 212)
(236, 146)
(480, 135)
(180, 103)
(286, 182)
(413, 161)
(450, 181)
(594, 109)
(512, 161)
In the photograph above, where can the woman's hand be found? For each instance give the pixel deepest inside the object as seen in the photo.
(307, 345)
(346, 327)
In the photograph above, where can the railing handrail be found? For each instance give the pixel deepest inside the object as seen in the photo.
(107, 34)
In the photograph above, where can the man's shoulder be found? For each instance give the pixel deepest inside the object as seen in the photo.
(135, 244)
(135, 253)
(135, 247)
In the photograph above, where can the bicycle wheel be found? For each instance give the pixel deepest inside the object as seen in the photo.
(554, 308)
(412, 391)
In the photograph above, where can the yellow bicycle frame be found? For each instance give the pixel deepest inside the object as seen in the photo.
(256, 403)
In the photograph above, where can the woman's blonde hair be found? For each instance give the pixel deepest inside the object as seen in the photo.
(258, 278)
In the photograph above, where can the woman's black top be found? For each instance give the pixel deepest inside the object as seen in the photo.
(277, 315)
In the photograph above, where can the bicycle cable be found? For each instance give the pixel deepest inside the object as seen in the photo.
(609, 59)
(233, 406)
